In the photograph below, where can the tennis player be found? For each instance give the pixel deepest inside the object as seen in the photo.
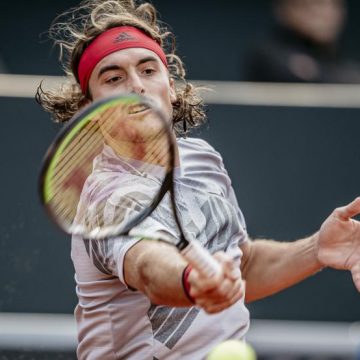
(140, 299)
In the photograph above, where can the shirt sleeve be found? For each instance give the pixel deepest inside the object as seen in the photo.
(108, 254)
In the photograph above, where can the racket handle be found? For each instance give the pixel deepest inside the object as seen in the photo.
(201, 259)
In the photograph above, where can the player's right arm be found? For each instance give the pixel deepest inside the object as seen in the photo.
(156, 269)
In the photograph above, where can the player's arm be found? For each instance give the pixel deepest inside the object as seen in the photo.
(270, 266)
(156, 269)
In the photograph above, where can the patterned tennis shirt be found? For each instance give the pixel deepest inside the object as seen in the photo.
(115, 322)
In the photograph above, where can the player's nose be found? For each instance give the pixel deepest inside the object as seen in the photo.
(135, 85)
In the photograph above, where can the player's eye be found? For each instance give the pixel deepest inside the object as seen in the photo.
(113, 79)
(149, 71)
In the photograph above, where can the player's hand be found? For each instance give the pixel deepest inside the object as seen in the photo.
(218, 292)
(339, 240)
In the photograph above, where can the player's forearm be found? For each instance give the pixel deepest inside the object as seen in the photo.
(156, 269)
(272, 266)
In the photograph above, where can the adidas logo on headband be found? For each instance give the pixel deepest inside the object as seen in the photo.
(124, 36)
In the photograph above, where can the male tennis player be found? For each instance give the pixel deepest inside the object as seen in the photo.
(139, 299)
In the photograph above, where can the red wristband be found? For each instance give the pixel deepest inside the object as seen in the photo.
(186, 284)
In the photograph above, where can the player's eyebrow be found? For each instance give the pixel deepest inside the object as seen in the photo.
(147, 59)
(106, 68)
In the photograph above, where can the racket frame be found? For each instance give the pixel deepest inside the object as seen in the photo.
(192, 251)
(67, 133)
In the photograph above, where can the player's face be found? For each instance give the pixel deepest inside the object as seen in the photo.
(134, 70)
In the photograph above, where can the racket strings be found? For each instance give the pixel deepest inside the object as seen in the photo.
(77, 150)
(63, 210)
(76, 161)
(131, 204)
(89, 136)
(144, 148)
(71, 172)
(77, 158)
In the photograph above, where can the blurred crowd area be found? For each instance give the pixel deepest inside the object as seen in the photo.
(304, 45)
(270, 41)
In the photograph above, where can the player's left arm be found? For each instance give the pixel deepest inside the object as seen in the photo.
(270, 266)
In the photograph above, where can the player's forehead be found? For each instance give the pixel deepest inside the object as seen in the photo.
(128, 57)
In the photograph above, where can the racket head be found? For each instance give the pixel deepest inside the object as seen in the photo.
(137, 133)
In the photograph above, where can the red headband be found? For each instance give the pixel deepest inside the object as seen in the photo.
(114, 39)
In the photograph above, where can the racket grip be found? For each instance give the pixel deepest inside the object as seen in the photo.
(201, 259)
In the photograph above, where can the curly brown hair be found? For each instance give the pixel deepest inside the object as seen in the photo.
(75, 29)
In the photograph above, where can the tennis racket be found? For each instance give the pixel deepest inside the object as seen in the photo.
(143, 142)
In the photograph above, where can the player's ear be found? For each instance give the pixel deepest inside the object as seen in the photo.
(173, 96)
